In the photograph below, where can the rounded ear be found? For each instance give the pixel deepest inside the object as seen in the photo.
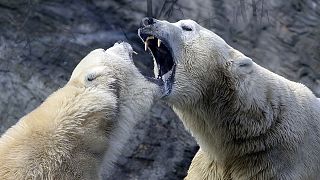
(243, 64)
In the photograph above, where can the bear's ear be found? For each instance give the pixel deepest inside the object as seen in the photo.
(243, 64)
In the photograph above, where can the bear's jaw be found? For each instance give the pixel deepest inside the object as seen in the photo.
(164, 63)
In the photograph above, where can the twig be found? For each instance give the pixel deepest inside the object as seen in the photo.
(149, 8)
(242, 10)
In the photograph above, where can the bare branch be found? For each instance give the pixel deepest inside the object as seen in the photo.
(243, 10)
(149, 8)
(254, 11)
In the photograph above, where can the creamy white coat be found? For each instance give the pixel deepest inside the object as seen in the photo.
(250, 123)
(84, 122)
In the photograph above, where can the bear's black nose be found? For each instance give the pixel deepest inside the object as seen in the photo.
(147, 21)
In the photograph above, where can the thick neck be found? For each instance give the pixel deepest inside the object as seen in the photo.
(67, 109)
(233, 115)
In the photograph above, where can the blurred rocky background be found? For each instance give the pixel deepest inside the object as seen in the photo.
(41, 41)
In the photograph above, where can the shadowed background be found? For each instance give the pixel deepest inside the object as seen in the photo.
(42, 41)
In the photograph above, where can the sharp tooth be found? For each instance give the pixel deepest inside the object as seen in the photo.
(145, 45)
(146, 42)
(159, 42)
(134, 52)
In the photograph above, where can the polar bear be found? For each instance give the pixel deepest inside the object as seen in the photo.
(69, 134)
(250, 123)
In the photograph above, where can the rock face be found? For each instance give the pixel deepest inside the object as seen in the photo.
(42, 41)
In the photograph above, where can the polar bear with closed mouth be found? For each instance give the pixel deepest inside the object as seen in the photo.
(69, 134)
(250, 123)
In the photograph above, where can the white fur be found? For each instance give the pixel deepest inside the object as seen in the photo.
(69, 134)
(249, 122)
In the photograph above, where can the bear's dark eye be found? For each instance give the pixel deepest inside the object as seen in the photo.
(186, 28)
(91, 77)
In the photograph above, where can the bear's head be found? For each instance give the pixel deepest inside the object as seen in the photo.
(109, 92)
(102, 68)
(108, 79)
(192, 61)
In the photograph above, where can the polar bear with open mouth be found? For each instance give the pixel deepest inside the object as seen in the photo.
(250, 123)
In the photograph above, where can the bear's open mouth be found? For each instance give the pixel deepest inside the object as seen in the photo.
(164, 62)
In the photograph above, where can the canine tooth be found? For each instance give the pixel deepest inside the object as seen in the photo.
(134, 52)
(159, 42)
(146, 45)
(146, 42)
